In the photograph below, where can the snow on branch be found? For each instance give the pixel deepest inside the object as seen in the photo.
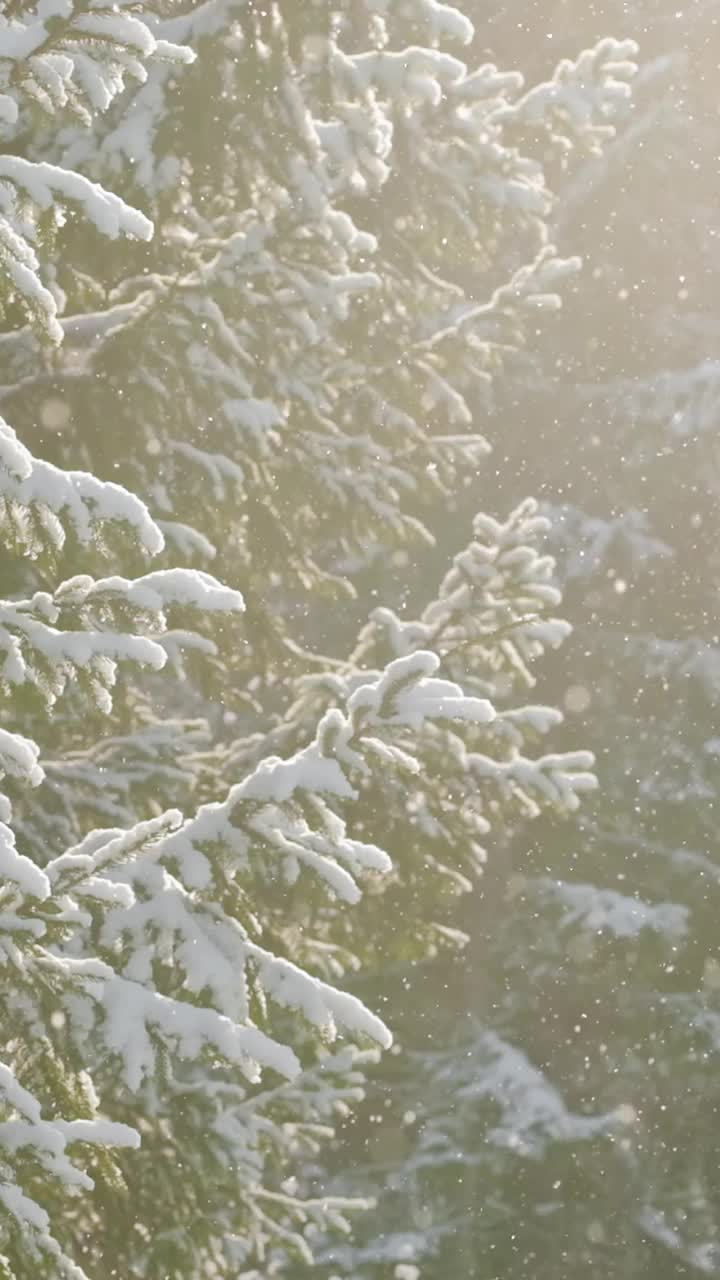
(64, 55)
(488, 618)
(270, 802)
(36, 498)
(34, 191)
(579, 102)
(24, 1129)
(155, 910)
(40, 654)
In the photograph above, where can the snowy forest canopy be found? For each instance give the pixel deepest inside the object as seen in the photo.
(318, 728)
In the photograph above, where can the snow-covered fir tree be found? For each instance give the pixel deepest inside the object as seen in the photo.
(258, 267)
